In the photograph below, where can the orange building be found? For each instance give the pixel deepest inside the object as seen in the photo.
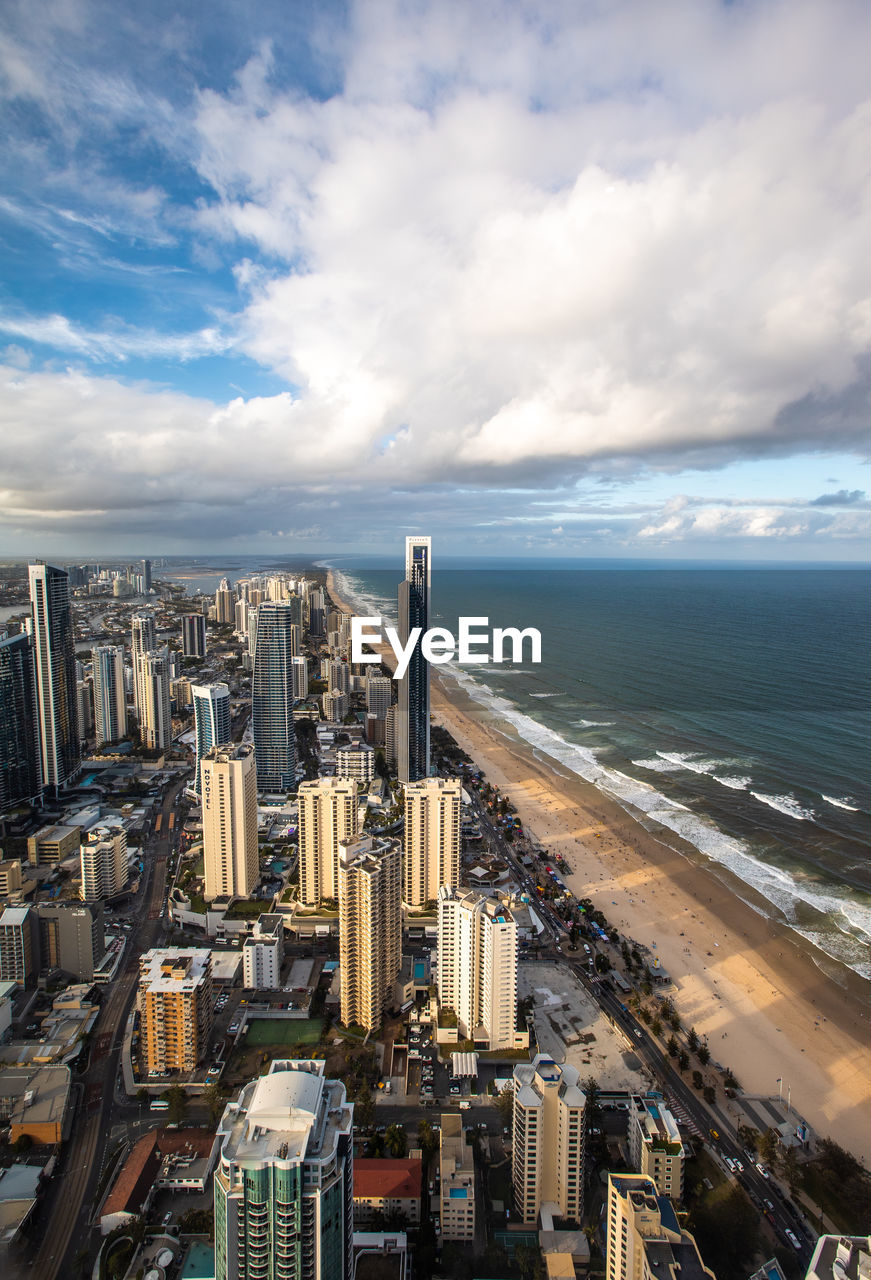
(175, 1007)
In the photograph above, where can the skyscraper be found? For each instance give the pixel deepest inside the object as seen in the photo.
(146, 575)
(284, 1179)
(477, 967)
(155, 709)
(174, 999)
(211, 722)
(432, 838)
(20, 771)
(143, 640)
(193, 635)
(370, 929)
(644, 1237)
(272, 699)
(229, 800)
(225, 604)
(548, 1145)
(110, 698)
(327, 819)
(103, 863)
(55, 664)
(412, 708)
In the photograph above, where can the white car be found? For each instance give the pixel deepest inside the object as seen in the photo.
(793, 1239)
(760, 1167)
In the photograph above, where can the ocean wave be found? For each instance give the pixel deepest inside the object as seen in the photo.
(849, 918)
(364, 602)
(842, 804)
(734, 784)
(594, 724)
(784, 804)
(546, 695)
(687, 760)
(657, 765)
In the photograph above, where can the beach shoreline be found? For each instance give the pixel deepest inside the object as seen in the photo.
(744, 981)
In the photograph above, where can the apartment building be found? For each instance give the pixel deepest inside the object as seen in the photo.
(174, 999)
(432, 838)
(548, 1142)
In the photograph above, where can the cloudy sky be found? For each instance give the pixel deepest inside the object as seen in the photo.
(588, 277)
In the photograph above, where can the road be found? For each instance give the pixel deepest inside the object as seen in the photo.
(74, 1188)
(687, 1104)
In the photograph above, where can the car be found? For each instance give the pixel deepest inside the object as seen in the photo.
(636, 1033)
(730, 1164)
(760, 1168)
(215, 1070)
(455, 1088)
(233, 1028)
(738, 1165)
(167, 1219)
(793, 1239)
(768, 1205)
(714, 1134)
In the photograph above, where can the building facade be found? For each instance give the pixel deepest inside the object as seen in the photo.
(272, 699)
(19, 945)
(174, 999)
(212, 722)
(229, 804)
(477, 967)
(193, 635)
(432, 839)
(55, 667)
(370, 929)
(457, 1169)
(71, 937)
(103, 859)
(263, 953)
(143, 638)
(356, 761)
(644, 1238)
(655, 1146)
(412, 706)
(110, 693)
(225, 604)
(155, 707)
(20, 758)
(283, 1186)
(328, 818)
(548, 1141)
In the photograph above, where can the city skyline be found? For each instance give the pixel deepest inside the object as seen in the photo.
(568, 281)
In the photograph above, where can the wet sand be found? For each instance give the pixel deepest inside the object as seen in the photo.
(742, 980)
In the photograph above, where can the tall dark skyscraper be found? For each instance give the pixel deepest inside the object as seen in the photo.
(20, 772)
(55, 662)
(272, 699)
(193, 635)
(412, 707)
(211, 720)
(146, 574)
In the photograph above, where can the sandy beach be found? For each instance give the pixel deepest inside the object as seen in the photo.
(740, 979)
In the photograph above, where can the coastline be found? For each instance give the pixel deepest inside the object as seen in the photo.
(739, 978)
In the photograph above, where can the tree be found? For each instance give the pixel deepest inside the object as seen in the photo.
(672, 1048)
(603, 964)
(692, 1039)
(656, 1027)
(141, 1095)
(505, 1107)
(703, 1053)
(698, 1082)
(730, 1081)
(748, 1136)
(726, 1229)
(768, 1146)
(709, 1094)
(364, 1106)
(177, 1099)
(683, 1060)
(215, 1100)
(791, 1170)
(395, 1141)
(426, 1139)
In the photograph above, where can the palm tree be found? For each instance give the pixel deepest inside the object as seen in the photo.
(395, 1142)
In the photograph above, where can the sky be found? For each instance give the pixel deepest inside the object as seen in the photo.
(584, 278)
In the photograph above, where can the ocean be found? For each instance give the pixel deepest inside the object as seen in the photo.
(729, 706)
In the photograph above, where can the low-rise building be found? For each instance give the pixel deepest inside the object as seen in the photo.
(263, 953)
(10, 877)
(655, 1145)
(457, 1167)
(356, 761)
(390, 1188)
(51, 845)
(35, 1102)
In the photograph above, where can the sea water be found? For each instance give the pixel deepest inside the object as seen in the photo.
(729, 706)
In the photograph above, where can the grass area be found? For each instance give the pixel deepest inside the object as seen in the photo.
(276, 1032)
(247, 909)
(507, 1055)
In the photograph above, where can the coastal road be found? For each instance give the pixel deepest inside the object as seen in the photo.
(75, 1186)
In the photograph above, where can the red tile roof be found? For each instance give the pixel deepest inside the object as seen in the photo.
(387, 1179)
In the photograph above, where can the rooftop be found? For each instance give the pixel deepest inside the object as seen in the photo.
(291, 1114)
(387, 1179)
(174, 968)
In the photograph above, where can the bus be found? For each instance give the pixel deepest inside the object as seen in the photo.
(159, 1104)
(171, 821)
(157, 823)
